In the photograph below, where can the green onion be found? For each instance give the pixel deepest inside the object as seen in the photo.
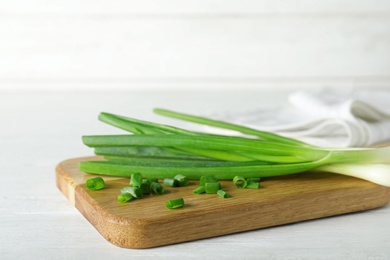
(183, 180)
(207, 178)
(157, 188)
(223, 170)
(151, 180)
(212, 187)
(143, 151)
(252, 185)
(239, 181)
(253, 179)
(124, 197)
(171, 182)
(175, 203)
(199, 190)
(223, 194)
(377, 173)
(160, 151)
(139, 126)
(225, 125)
(268, 150)
(145, 186)
(136, 180)
(96, 183)
(134, 191)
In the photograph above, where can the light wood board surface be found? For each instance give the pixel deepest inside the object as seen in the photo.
(146, 222)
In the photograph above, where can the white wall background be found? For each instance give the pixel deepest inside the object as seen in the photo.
(207, 44)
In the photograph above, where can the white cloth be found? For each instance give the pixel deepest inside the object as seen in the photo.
(325, 118)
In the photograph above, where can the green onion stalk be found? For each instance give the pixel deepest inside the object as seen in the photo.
(162, 151)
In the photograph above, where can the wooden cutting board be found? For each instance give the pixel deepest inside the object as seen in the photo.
(146, 222)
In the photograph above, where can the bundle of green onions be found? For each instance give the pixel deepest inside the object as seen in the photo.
(161, 151)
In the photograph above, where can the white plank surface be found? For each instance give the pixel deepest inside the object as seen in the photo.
(171, 48)
(40, 129)
(201, 47)
(214, 7)
(203, 44)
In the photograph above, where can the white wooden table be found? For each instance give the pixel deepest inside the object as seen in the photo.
(40, 129)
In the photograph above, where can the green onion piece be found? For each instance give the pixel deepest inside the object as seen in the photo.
(150, 180)
(175, 203)
(253, 179)
(183, 180)
(212, 187)
(252, 185)
(239, 181)
(145, 186)
(157, 188)
(135, 192)
(136, 180)
(199, 190)
(207, 178)
(124, 197)
(223, 193)
(96, 183)
(171, 182)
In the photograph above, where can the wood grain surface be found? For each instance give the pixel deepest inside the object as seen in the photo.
(146, 222)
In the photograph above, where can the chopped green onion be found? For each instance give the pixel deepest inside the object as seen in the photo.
(239, 181)
(207, 178)
(151, 180)
(96, 183)
(199, 190)
(223, 194)
(171, 182)
(124, 197)
(157, 188)
(183, 180)
(136, 180)
(145, 186)
(253, 179)
(212, 187)
(175, 203)
(252, 185)
(135, 192)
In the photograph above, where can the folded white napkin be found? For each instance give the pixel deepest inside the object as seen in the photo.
(325, 118)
